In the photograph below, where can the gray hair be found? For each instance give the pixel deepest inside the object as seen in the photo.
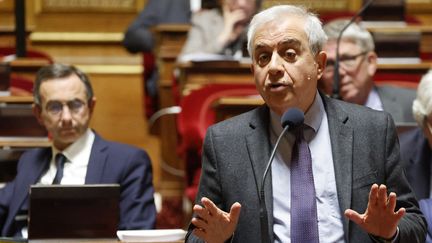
(55, 71)
(313, 26)
(355, 33)
(422, 105)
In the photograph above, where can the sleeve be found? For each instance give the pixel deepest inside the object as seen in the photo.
(412, 227)
(5, 198)
(137, 208)
(209, 185)
(202, 36)
(138, 37)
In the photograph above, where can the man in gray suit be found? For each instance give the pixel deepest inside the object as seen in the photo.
(351, 183)
(357, 66)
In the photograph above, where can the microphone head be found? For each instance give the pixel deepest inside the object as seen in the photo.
(293, 117)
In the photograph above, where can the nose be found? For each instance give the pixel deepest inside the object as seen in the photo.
(66, 114)
(276, 64)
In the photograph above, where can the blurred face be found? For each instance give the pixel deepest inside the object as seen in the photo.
(427, 129)
(248, 7)
(356, 70)
(285, 70)
(64, 110)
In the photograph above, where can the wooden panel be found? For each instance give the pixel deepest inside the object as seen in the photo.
(104, 15)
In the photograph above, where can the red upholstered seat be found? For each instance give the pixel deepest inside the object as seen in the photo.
(21, 85)
(196, 115)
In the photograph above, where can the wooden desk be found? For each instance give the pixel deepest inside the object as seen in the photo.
(194, 75)
(227, 107)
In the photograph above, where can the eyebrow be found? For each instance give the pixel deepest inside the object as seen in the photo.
(290, 41)
(287, 41)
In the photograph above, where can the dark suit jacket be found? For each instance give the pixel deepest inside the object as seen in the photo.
(398, 102)
(426, 208)
(416, 155)
(109, 163)
(365, 151)
(138, 36)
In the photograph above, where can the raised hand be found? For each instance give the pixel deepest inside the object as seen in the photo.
(212, 224)
(234, 24)
(380, 218)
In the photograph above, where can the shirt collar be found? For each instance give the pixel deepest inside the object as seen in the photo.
(75, 148)
(373, 101)
(313, 116)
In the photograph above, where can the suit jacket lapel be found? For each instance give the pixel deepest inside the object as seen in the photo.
(259, 156)
(341, 135)
(96, 164)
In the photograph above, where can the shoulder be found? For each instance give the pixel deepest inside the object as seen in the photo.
(353, 112)
(206, 16)
(242, 123)
(398, 91)
(409, 138)
(116, 149)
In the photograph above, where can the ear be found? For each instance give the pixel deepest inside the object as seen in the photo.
(37, 112)
(320, 62)
(92, 104)
(372, 61)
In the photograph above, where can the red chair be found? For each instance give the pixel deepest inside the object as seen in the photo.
(21, 85)
(195, 117)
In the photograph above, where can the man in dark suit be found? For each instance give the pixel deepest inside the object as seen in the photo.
(416, 149)
(416, 144)
(358, 63)
(353, 154)
(63, 104)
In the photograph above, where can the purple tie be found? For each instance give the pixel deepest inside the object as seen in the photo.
(304, 220)
(60, 160)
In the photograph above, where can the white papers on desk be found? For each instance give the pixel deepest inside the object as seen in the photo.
(205, 57)
(162, 235)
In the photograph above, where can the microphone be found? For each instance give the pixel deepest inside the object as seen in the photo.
(292, 118)
(336, 75)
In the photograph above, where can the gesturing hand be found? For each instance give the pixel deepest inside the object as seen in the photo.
(212, 224)
(380, 219)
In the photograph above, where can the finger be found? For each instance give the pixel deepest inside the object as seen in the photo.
(201, 212)
(373, 195)
(391, 201)
(400, 213)
(235, 212)
(200, 233)
(200, 223)
(354, 216)
(382, 196)
(210, 206)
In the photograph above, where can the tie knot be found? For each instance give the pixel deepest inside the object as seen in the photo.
(60, 159)
(299, 131)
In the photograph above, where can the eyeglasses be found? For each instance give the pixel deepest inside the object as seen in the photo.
(347, 62)
(55, 107)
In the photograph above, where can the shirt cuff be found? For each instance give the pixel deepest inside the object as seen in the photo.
(382, 240)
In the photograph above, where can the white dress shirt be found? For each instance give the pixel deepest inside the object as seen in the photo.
(329, 216)
(373, 101)
(78, 156)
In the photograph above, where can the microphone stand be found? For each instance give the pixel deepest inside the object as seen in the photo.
(263, 207)
(336, 76)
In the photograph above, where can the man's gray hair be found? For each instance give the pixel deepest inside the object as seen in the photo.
(422, 105)
(354, 33)
(313, 26)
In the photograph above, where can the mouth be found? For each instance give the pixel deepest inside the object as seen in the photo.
(278, 86)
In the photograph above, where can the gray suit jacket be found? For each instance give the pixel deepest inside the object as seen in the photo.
(397, 102)
(365, 151)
